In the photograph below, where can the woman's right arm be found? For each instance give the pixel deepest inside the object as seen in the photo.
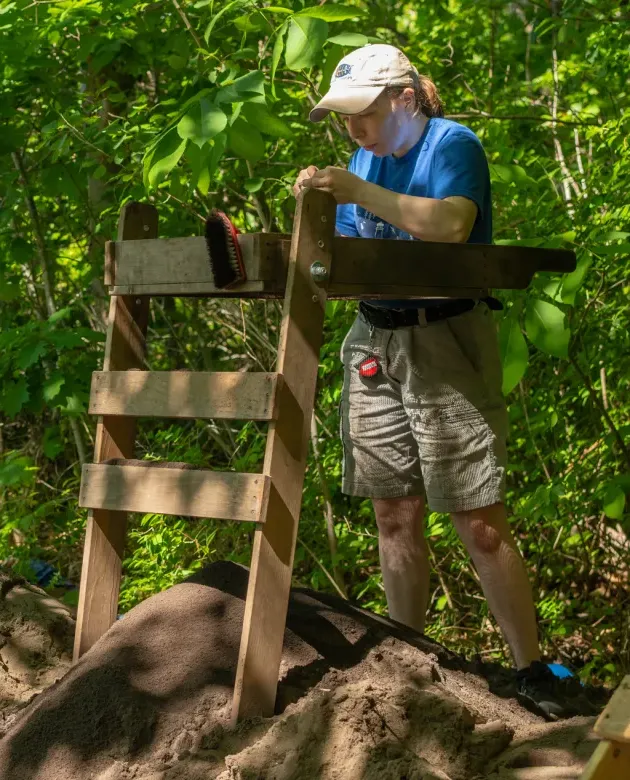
(345, 225)
(303, 176)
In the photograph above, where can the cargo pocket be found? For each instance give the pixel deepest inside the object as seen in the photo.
(464, 334)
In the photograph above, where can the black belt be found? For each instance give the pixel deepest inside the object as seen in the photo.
(389, 319)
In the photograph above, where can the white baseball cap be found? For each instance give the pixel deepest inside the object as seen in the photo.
(361, 76)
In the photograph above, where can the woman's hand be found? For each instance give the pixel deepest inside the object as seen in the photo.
(304, 176)
(343, 185)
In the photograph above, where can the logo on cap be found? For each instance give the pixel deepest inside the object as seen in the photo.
(343, 70)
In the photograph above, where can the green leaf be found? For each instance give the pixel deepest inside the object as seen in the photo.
(334, 53)
(268, 123)
(73, 406)
(278, 46)
(349, 39)
(9, 292)
(553, 290)
(245, 141)
(573, 281)
(251, 22)
(514, 352)
(506, 174)
(147, 162)
(250, 87)
(65, 339)
(331, 13)
(207, 172)
(304, 41)
(11, 139)
(52, 444)
(53, 386)
(17, 470)
(202, 122)
(612, 249)
(218, 15)
(30, 354)
(520, 242)
(197, 158)
(166, 156)
(253, 185)
(177, 61)
(14, 396)
(204, 162)
(59, 315)
(614, 502)
(545, 328)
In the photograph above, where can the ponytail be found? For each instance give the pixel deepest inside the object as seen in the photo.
(427, 97)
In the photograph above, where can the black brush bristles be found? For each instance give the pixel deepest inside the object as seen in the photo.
(224, 252)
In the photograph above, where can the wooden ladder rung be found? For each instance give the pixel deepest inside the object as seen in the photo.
(229, 395)
(173, 489)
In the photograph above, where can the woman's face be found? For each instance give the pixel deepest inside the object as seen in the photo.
(384, 126)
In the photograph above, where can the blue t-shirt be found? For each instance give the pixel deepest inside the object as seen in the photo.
(448, 160)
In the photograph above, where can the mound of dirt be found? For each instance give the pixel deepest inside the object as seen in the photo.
(361, 698)
(36, 635)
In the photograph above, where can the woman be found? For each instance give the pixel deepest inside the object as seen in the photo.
(422, 407)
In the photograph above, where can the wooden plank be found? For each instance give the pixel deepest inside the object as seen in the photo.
(255, 290)
(173, 489)
(614, 722)
(285, 460)
(106, 530)
(185, 260)
(610, 761)
(229, 395)
(433, 264)
(362, 268)
(406, 292)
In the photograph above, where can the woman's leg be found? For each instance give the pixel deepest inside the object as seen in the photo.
(404, 558)
(487, 537)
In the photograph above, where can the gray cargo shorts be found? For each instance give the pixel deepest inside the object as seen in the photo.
(433, 420)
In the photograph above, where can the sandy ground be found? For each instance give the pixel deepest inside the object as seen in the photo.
(360, 698)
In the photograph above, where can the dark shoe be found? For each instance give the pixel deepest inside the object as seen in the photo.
(542, 693)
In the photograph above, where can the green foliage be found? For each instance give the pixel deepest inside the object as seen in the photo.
(106, 102)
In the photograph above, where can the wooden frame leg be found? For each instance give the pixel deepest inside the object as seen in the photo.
(115, 436)
(610, 761)
(285, 460)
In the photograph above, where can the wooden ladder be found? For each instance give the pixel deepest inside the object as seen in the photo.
(299, 269)
(272, 499)
(611, 759)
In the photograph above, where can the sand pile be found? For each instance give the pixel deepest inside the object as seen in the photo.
(36, 635)
(361, 698)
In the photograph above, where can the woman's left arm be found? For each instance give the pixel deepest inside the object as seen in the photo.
(430, 219)
(449, 219)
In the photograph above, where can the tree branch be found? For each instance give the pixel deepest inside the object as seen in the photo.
(189, 27)
(47, 276)
(330, 519)
(515, 118)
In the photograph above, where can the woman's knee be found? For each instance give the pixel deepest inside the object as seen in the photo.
(483, 530)
(396, 516)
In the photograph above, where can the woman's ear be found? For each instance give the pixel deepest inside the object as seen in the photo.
(409, 98)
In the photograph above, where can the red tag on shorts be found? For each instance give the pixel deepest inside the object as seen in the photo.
(369, 367)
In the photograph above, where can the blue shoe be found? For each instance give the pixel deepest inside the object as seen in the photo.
(552, 695)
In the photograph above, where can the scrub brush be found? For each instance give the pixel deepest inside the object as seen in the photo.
(224, 251)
